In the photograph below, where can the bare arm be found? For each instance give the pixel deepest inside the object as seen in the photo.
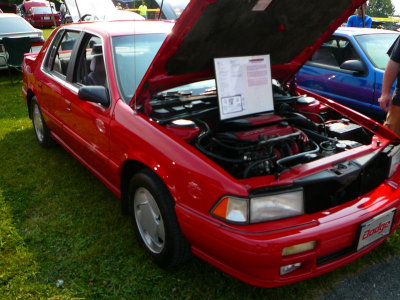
(389, 77)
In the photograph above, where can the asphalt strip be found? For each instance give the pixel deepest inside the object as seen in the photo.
(376, 282)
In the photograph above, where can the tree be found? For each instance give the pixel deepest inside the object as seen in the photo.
(380, 8)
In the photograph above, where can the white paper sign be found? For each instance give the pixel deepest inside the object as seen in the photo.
(244, 85)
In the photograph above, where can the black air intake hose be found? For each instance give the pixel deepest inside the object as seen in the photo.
(299, 120)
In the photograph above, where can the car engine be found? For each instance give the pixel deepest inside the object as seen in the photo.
(300, 130)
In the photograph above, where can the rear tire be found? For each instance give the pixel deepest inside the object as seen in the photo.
(42, 132)
(154, 221)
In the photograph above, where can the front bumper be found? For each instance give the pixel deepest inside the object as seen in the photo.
(253, 253)
(44, 23)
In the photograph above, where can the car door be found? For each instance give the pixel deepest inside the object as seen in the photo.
(51, 89)
(324, 74)
(87, 123)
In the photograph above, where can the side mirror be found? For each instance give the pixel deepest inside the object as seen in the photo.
(94, 93)
(354, 65)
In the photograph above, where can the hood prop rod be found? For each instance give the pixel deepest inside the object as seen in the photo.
(162, 4)
(79, 13)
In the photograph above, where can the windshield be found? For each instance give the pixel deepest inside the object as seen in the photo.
(132, 56)
(376, 46)
(42, 10)
(14, 25)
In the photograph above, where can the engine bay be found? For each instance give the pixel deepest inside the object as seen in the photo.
(300, 130)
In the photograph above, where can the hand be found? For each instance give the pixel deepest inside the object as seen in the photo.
(385, 100)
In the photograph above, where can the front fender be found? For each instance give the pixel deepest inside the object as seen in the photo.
(192, 179)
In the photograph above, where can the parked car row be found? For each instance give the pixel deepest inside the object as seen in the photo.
(263, 179)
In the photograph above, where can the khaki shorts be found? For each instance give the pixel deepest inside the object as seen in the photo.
(393, 119)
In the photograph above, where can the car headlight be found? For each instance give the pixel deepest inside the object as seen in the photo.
(260, 209)
(276, 206)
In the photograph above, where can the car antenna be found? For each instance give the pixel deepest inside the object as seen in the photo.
(77, 8)
(159, 15)
(134, 61)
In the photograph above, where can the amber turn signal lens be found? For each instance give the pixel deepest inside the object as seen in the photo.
(300, 248)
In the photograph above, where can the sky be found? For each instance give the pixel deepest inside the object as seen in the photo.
(396, 4)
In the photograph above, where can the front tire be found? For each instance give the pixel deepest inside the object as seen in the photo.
(42, 132)
(154, 221)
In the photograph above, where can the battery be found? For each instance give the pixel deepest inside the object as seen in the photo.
(344, 130)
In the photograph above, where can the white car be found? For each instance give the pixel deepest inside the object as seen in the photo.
(12, 25)
(81, 10)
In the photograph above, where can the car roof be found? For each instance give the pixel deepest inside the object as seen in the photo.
(9, 15)
(351, 31)
(116, 28)
(30, 4)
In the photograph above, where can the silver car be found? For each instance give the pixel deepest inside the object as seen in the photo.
(12, 25)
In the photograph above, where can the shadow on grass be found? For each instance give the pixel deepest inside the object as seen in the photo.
(72, 226)
(12, 104)
(5, 77)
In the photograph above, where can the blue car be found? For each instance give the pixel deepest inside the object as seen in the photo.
(349, 68)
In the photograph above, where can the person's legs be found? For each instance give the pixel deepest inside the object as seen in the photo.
(393, 119)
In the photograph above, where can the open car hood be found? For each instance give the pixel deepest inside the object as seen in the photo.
(172, 9)
(98, 10)
(290, 31)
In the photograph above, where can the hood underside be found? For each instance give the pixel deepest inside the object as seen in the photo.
(288, 30)
(98, 10)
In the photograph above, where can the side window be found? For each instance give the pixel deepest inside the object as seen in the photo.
(60, 53)
(334, 52)
(90, 63)
(324, 55)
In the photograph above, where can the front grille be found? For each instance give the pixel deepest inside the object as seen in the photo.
(321, 194)
(343, 182)
(335, 255)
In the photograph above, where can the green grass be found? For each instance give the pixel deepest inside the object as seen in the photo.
(46, 33)
(58, 222)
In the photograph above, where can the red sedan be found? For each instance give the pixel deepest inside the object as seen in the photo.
(264, 180)
(43, 16)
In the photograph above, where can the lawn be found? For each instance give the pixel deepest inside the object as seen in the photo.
(62, 235)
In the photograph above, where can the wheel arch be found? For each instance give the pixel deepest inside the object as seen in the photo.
(128, 169)
(29, 97)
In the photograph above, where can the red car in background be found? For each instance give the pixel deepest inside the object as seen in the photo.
(271, 189)
(40, 14)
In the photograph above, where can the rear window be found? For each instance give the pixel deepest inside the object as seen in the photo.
(42, 10)
(14, 25)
